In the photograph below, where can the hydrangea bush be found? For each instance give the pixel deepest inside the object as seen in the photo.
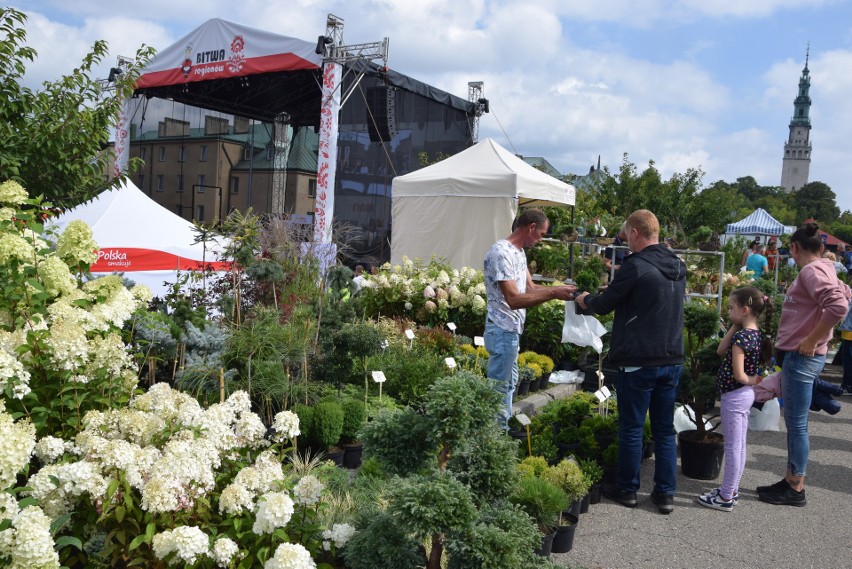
(429, 295)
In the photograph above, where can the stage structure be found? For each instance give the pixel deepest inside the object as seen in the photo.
(372, 123)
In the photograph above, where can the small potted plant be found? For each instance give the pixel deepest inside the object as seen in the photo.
(354, 417)
(701, 450)
(568, 476)
(325, 429)
(543, 502)
(593, 471)
(525, 377)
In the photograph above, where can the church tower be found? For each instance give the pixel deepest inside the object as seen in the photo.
(797, 149)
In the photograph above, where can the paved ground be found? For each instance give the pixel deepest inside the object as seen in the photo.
(755, 534)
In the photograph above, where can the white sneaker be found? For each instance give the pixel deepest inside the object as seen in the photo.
(715, 502)
(715, 492)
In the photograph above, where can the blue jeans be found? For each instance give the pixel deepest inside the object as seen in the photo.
(846, 356)
(798, 374)
(648, 389)
(502, 349)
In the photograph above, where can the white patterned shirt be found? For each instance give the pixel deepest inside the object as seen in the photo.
(505, 262)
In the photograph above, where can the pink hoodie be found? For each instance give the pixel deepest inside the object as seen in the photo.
(815, 295)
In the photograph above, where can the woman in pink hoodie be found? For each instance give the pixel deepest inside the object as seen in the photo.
(814, 304)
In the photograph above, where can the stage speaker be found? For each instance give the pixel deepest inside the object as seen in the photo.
(381, 113)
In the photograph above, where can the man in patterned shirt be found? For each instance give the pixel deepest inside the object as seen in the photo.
(510, 291)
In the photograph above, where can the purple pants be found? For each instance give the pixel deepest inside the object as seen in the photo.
(736, 405)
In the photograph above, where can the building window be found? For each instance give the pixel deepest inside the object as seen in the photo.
(247, 153)
(202, 153)
(143, 153)
(141, 181)
(234, 185)
(161, 183)
(201, 183)
(162, 154)
(199, 213)
(181, 153)
(180, 182)
(270, 153)
(312, 188)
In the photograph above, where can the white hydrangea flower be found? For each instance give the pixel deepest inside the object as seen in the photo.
(14, 374)
(142, 294)
(29, 543)
(188, 543)
(274, 510)
(290, 556)
(56, 277)
(69, 344)
(250, 432)
(76, 244)
(49, 449)
(18, 442)
(429, 292)
(236, 499)
(286, 425)
(224, 549)
(308, 490)
(339, 534)
(12, 193)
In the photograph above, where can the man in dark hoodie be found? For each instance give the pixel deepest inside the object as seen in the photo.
(647, 295)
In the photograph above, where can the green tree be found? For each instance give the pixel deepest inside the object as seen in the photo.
(816, 200)
(716, 206)
(55, 140)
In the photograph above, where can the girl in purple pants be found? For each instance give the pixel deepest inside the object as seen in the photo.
(744, 349)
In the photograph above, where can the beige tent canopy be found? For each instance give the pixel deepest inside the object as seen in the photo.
(456, 209)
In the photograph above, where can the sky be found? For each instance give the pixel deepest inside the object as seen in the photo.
(703, 84)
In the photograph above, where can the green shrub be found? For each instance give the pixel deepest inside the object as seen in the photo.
(397, 439)
(610, 456)
(591, 470)
(533, 465)
(354, 417)
(382, 543)
(306, 416)
(503, 537)
(409, 372)
(486, 465)
(568, 476)
(326, 424)
(541, 500)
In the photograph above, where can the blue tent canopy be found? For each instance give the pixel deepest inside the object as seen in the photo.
(759, 222)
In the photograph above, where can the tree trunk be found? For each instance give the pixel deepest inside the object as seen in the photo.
(437, 552)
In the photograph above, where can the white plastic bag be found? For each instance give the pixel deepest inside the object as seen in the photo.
(766, 419)
(682, 421)
(582, 330)
(567, 377)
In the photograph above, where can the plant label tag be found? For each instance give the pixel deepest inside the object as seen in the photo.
(478, 341)
(385, 344)
(599, 394)
(379, 376)
(523, 419)
(452, 327)
(451, 363)
(409, 334)
(605, 390)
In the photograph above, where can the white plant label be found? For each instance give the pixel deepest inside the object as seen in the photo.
(478, 341)
(523, 419)
(379, 376)
(451, 363)
(605, 390)
(409, 334)
(452, 327)
(599, 394)
(384, 344)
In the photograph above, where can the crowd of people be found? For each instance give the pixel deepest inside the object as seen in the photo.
(647, 294)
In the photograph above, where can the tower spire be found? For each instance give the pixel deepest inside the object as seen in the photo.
(797, 149)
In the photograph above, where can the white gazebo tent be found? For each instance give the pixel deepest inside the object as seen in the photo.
(140, 238)
(758, 223)
(457, 208)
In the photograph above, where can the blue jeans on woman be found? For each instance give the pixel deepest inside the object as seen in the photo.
(502, 347)
(648, 389)
(798, 374)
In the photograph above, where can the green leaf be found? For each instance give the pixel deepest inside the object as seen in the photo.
(119, 513)
(137, 541)
(65, 540)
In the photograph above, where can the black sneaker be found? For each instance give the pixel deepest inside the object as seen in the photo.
(784, 497)
(664, 502)
(623, 497)
(780, 485)
(846, 391)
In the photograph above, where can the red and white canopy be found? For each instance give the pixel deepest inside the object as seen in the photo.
(220, 50)
(138, 236)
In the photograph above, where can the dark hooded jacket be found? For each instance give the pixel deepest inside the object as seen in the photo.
(647, 295)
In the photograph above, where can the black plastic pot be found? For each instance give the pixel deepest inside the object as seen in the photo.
(352, 455)
(573, 509)
(523, 388)
(546, 545)
(563, 541)
(584, 503)
(701, 459)
(534, 384)
(335, 455)
(595, 493)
